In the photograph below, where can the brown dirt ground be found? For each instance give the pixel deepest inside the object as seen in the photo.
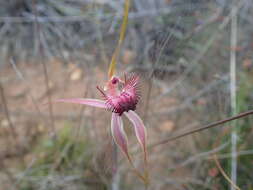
(66, 81)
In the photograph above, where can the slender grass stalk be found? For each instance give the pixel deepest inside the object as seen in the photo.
(37, 32)
(233, 186)
(121, 39)
(6, 110)
(233, 96)
(217, 163)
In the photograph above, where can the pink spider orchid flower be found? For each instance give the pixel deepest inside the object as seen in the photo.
(121, 98)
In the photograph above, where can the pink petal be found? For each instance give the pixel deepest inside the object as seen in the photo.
(140, 129)
(119, 134)
(89, 102)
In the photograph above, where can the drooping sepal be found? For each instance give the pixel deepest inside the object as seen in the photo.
(120, 139)
(140, 130)
(119, 134)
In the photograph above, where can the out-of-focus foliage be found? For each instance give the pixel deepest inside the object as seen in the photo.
(67, 161)
(69, 26)
(181, 48)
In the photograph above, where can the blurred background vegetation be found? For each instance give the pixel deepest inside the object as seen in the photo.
(181, 49)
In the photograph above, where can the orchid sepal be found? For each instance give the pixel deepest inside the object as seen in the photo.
(119, 135)
(140, 130)
(85, 101)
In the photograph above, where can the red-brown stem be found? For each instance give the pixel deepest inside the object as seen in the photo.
(101, 91)
(217, 163)
(214, 124)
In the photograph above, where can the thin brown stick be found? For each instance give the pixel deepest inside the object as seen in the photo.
(217, 163)
(6, 111)
(37, 30)
(214, 124)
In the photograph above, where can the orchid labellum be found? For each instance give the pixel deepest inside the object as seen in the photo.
(120, 97)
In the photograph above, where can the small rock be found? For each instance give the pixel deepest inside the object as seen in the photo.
(167, 126)
(4, 123)
(76, 74)
(41, 128)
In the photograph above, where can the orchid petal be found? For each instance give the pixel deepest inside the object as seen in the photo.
(119, 134)
(89, 102)
(140, 130)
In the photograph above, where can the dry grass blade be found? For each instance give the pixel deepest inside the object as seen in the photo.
(6, 110)
(37, 31)
(224, 173)
(217, 163)
(233, 94)
(121, 39)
